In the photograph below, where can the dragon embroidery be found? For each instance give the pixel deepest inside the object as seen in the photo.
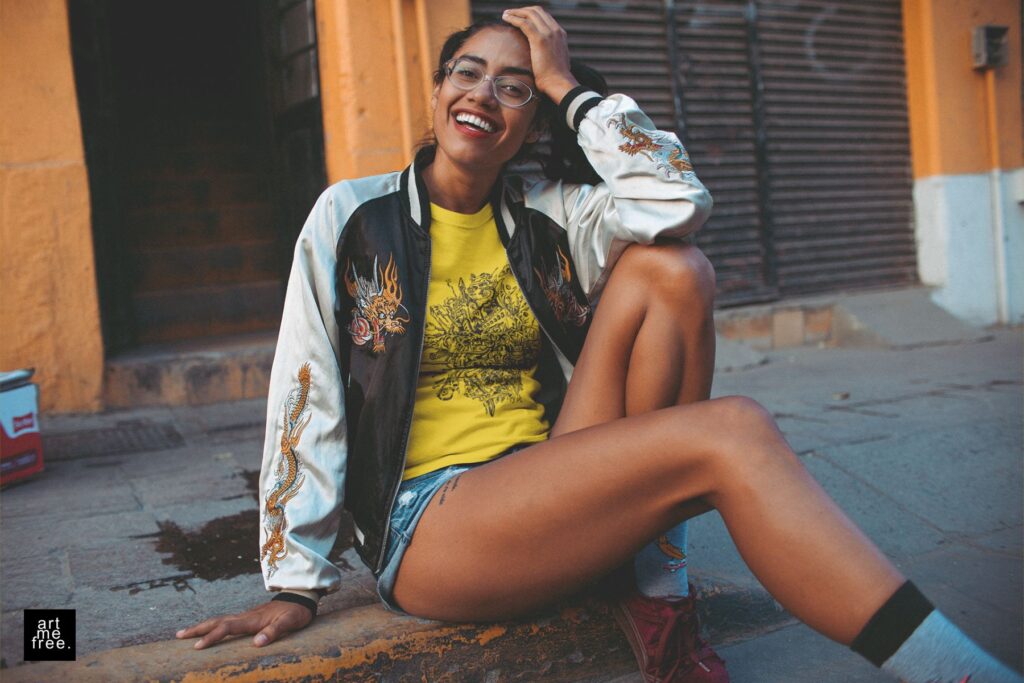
(557, 289)
(288, 478)
(379, 308)
(661, 148)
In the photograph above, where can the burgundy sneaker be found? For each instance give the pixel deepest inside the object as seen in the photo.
(665, 637)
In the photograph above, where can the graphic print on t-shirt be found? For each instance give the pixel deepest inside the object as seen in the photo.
(482, 335)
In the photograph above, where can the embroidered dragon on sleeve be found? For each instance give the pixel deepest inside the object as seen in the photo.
(288, 478)
(379, 308)
(660, 147)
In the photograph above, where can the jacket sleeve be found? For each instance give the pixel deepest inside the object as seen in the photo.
(649, 188)
(304, 456)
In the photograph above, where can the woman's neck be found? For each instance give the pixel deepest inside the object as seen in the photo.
(457, 189)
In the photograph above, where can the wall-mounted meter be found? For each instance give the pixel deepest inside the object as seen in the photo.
(989, 46)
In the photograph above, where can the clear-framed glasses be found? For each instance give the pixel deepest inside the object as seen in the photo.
(465, 74)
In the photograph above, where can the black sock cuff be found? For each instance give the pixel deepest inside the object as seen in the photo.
(892, 624)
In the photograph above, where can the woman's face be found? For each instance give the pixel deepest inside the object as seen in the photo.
(500, 52)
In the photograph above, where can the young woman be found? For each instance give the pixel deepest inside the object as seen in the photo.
(432, 322)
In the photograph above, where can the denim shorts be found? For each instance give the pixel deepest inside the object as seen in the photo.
(413, 497)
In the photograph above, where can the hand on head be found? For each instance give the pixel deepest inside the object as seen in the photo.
(549, 50)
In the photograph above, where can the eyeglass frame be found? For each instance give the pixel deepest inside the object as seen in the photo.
(450, 67)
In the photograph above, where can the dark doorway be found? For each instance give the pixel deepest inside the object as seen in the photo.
(191, 214)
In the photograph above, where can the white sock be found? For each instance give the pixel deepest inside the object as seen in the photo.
(661, 565)
(939, 652)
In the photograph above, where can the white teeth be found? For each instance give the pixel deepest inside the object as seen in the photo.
(463, 117)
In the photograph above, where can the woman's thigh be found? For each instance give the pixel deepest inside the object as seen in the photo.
(512, 535)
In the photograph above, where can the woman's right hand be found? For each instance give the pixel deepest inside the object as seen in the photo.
(269, 622)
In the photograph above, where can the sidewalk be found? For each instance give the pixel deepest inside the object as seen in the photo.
(146, 520)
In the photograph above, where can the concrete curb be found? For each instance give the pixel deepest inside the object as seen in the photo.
(580, 641)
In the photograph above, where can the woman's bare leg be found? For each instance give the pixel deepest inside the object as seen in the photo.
(537, 524)
(653, 344)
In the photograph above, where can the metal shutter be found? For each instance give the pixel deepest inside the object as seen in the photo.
(838, 143)
(721, 109)
(794, 112)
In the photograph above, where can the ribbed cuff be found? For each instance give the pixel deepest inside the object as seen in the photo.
(575, 105)
(892, 624)
(297, 599)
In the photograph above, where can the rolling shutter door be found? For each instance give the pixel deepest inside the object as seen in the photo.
(838, 143)
(721, 110)
(794, 112)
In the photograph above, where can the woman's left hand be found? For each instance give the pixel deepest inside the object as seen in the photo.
(549, 50)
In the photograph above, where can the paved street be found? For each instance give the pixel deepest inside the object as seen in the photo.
(146, 520)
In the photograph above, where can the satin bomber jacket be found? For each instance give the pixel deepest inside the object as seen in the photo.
(344, 376)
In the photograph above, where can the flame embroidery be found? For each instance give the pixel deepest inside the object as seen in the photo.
(557, 288)
(379, 310)
(288, 478)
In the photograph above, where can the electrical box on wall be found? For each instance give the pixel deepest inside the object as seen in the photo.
(989, 46)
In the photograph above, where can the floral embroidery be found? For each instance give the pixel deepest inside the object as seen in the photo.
(557, 288)
(379, 310)
(660, 147)
(288, 478)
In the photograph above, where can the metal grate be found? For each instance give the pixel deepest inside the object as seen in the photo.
(133, 436)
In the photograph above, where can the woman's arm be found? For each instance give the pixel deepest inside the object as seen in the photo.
(649, 189)
(302, 477)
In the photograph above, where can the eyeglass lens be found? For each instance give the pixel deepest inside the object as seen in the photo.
(510, 91)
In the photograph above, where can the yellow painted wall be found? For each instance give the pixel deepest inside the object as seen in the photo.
(946, 96)
(376, 60)
(48, 300)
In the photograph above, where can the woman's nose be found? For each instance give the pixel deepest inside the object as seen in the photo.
(484, 91)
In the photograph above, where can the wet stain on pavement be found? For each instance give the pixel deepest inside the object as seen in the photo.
(221, 549)
(227, 546)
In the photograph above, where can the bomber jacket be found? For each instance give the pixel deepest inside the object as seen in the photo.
(343, 381)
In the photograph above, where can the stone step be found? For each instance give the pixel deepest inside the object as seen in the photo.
(188, 266)
(195, 373)
(197, 312)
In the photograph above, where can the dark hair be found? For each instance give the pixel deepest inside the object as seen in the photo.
(563, 159)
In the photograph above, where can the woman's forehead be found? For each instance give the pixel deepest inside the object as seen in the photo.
(498, 49)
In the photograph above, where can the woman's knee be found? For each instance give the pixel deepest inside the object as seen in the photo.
(747, 436)
(678, 272)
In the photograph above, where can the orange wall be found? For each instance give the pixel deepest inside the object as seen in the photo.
(947, 101)
(48, 300)
(376, 58)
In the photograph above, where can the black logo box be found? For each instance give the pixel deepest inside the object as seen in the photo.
(49, 635)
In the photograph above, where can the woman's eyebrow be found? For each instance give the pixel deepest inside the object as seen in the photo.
(507, 70)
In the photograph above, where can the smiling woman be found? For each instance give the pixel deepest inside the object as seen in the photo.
(532, 414)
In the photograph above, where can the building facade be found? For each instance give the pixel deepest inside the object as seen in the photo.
(156, 163)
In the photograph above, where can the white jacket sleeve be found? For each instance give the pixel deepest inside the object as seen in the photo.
(304, 456)
(649, 188)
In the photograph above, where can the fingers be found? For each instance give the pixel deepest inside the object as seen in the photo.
(228, 626)
(533, 20)
(269, 622)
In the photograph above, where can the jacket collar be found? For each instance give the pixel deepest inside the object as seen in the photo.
(416, 201)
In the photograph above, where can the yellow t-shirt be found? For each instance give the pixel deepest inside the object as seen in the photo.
(476, 389)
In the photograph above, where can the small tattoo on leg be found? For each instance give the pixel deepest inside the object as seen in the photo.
(448, 486)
